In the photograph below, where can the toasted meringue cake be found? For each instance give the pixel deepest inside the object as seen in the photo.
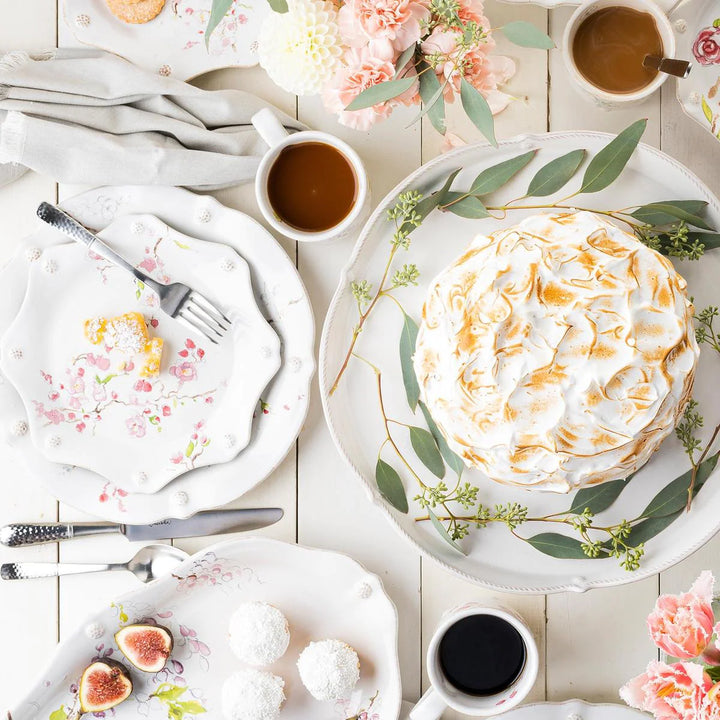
(557, 353)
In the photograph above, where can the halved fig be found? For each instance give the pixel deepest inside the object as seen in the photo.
(147, 647)
(103, 685)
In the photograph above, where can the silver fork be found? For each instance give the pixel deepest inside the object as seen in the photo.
(177, 300)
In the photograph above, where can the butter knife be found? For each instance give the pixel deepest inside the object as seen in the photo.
(211, 522)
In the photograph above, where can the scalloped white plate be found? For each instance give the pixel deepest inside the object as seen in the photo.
(279, 293)
(88, 405)
(174, 42)
(664, 4)
(494, 558)
(574, 710)
(323, 595)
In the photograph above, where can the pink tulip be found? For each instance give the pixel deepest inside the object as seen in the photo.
(682, 625)
(669, 692)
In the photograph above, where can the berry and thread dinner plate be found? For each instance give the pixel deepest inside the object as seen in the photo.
(493, 556)
(173, 43)
(323, 595)
(93, 406)
(278, 416)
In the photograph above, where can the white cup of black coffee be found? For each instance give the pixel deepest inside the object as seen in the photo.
(481, 661)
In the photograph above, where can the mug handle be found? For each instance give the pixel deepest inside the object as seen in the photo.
(270, 129)
(429, 707)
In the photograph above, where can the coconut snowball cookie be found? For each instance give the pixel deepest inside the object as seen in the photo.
(557, 353)
(259, 633)
(252, 695)
(329, 669)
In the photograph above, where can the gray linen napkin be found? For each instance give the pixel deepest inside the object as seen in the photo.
(86, 116)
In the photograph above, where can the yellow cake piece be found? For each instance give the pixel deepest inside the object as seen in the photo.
(153, 356)
(95, 329)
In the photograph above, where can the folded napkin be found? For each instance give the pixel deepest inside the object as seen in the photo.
(89, 117)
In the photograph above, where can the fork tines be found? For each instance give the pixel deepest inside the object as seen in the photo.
(204, 317)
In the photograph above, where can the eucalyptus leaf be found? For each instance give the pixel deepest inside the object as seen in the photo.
(408, 338)
(673, 497)
(427, 451)
(220, 9)
(494, 177)
(558, 546)
(648, 529)
(445, 189)
(390, 486)
(443, 532)
(525, 34)
(467, 207)
(556, 174)
(432, 97)
(382, 92)
(664, 213)
(607, 165)
(453, 460)
(404, 58)
(711, 241)
(279, 6)
(597, 498)
(478, 110)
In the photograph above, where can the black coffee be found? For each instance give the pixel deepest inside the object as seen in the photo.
(482, 655)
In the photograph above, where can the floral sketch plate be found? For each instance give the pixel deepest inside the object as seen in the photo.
(91, 406)
(697, 25)
(495, 558)
(174, 42)
(322, 594)
(279, 415)
(574, 710)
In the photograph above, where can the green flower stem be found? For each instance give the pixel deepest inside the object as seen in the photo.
(696, 467)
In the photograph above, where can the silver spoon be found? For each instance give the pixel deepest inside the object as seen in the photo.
(149, 563)
(669, 66)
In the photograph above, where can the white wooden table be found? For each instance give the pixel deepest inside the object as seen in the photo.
(590, 643)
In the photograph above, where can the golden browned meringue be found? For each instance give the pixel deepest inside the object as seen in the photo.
(557, 353)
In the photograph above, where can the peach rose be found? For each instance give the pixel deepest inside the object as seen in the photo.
(383, 24)
(669, 692)
(682, 625)
(361, 68)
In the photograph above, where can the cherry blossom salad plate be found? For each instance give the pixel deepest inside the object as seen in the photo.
(501, 536)
(173, 43)
(282, 407)
(322, 595)
(574, 710)
(697, 25)
(94, 406)
(664, 4)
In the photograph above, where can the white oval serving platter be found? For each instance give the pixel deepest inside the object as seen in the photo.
(91, 406)
(279, 416)
(323, 595)
(494, 557)
(574, 710)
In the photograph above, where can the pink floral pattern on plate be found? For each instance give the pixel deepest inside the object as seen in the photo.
(195, 15)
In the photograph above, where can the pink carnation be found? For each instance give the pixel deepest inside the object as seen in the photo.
(385, 25)
(711, 704)
(669, 692)
(682, 625)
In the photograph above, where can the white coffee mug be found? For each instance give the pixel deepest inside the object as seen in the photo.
(277, 137)
(603, 98)
(442, 694)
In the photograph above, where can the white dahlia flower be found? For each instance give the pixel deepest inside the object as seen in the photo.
(299, 49)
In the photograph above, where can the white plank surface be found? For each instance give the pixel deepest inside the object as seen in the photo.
(591, 643)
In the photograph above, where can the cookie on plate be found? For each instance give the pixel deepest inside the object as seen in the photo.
(135, 12)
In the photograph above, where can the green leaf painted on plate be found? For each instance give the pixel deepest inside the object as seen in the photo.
(478, 110)
(440, 528)
(189, 449)
(191, 707)
(707, 112)
(408, 339)
(218, 11)
(432, 97)
(607, 165)
(59, 714)
(494, 177)
(673, 497)
(558, 546)
(467, 207)
(597, 497)
(670, 211)
(525, 34)
(556, 174)
(168, 692)
(382, 92)
(279, 6)
(453, 460)
(390, 486)
(427, 451)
